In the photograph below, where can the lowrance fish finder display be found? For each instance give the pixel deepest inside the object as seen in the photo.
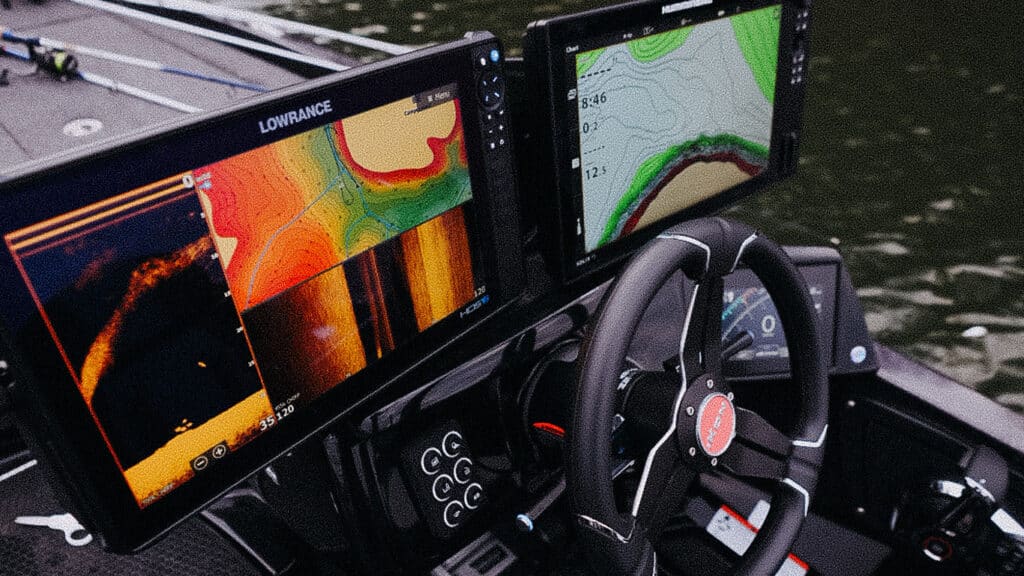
(661, 107)
(196, 312)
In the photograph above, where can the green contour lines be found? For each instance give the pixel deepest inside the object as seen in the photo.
(757, 33)
(653, 166)
(654, 47)
(586, 60)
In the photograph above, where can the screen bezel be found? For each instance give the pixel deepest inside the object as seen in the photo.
(49, 403)
(550, 50)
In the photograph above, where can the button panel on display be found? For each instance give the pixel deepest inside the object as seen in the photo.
(490, 87)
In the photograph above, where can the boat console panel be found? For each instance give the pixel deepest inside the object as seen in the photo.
(654, 113)
(185, 306)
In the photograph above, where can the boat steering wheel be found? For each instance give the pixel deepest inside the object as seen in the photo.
(706, 431)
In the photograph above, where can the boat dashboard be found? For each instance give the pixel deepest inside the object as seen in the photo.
(348, 323)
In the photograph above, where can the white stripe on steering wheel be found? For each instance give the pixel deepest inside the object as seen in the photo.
(803, 491)
(743, 247)
(813, 444)
(695, 242)
(675, 411)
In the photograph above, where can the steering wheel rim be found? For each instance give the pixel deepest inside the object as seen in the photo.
(705, 250)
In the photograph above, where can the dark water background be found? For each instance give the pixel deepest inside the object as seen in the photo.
(910, 166)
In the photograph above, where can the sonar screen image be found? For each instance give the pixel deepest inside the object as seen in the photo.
(286, 212)
(355, 313)
(133, 294)
(197, 312)
(337, 249)
(671, 119)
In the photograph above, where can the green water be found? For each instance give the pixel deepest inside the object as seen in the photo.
(910, 165)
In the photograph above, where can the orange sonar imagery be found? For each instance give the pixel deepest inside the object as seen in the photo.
(288, 211)
(357, 312)
(146, 329)
(197, 312)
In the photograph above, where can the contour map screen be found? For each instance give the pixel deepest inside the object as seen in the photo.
(199, 311)
(673, 118)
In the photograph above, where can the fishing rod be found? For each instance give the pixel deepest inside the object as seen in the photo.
(62, 65)
(289, 26)
(10, 36)
(212, 34)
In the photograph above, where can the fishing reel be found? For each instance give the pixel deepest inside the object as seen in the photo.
(60, 64)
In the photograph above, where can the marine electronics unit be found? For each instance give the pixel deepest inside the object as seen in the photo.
(185, 306)
(655, 112)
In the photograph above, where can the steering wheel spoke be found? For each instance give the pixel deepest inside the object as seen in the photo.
(747, 462)
(663, 486)
(753, 430)
(701, 342)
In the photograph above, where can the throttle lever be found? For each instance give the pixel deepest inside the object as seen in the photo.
(734, 346)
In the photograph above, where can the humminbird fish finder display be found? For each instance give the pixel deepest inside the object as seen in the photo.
(184, 307)
(661, 111)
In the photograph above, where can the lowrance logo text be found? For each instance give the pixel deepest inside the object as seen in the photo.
(294, 116)
(679, 6)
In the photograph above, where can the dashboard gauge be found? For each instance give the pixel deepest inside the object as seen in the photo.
(747, 307)
(751, 310)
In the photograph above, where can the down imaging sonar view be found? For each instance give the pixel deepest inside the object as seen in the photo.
(673, 118)
(274, 276)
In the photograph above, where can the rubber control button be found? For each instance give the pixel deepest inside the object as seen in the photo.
(443, 488)
(463, 470)
(491, 89)
(453, 513)
(452, 444)
(474, 496)
(430, 461)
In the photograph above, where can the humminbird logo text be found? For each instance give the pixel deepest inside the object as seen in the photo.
(678, 6)
(295, 116)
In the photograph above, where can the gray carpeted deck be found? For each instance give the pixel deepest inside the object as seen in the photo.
(35, 109)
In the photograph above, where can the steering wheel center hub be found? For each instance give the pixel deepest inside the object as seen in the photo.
(716, 424)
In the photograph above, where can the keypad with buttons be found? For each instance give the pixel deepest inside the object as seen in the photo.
(491, 90)
(440, 470)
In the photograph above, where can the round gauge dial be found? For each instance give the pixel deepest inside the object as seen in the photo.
(750, 309)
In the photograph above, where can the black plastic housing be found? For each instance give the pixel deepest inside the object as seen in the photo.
(552, 183)
(60, 428)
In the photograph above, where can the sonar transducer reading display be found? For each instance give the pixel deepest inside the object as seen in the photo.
(662, 111)
(191, 304)
(239, 291)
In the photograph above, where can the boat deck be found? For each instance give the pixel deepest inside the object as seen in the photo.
(38, 112)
